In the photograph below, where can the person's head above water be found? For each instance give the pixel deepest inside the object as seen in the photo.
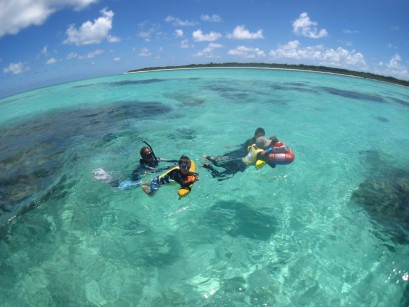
(263, 143)
(184, 164)
(259, 132)
(146, 154)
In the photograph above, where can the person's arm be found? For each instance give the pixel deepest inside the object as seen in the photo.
(167, 160)
(268, 150)
(149, 169)
(146, 188)
(178, 178)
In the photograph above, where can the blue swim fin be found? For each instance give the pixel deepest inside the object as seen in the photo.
(128, 184)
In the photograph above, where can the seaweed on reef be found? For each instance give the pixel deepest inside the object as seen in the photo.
(137, 82)
(352, 94)
(183, 133)
(228, 92)
(238, 219)
(33, 153)
(400, 101)
(160, 252)
(295, 86)
(385, 196)
(382, 119)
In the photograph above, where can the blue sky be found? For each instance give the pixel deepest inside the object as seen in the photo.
(43, 42)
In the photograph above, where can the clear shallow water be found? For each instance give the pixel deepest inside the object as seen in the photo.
(329, 229)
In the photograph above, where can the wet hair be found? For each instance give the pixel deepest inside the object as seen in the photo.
(143, 150)
(184, 158)
(259, 130)
(273, 140)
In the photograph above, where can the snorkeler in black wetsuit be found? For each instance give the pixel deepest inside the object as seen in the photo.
(179, 174)
(231, 167)
(231, 161)
(149, 164)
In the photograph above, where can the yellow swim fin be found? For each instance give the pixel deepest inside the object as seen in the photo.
(260, 164)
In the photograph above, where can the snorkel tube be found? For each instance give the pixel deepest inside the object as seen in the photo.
(153, 153)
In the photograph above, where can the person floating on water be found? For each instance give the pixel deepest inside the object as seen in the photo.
(258, 152)
(239, 152)
(180, 174)
(149, 163)
(232, 162)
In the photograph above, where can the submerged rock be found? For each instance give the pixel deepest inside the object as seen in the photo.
(385, 196)
(184, 133)
(382, 119)
(238, 219)
(34, 153)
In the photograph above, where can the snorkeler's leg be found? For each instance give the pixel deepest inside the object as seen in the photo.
(214, 172)
(146, 188)
(209, 158)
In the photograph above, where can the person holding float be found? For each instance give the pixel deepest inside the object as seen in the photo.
(184, 174)
(268, 151)
(149, 163)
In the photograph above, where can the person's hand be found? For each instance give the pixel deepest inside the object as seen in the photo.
(197, 178)
(263, 153)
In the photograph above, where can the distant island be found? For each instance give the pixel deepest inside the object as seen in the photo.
(322, 69)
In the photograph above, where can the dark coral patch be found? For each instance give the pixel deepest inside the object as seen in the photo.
(33, 152)
(385, 196)
(137, 82)
(352, 94)
(238, 219)
(382, 119)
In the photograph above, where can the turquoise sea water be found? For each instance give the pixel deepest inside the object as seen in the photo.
(330, 229)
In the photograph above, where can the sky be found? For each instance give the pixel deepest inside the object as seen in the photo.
(46, 42)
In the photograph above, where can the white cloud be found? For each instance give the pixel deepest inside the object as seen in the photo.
(305, 27)
(92, 32)
(240, 32)
(178, 22)
(347, 31)
(113, 39)
(213, 18)
(199, 36)
(147, 31)
(44, 51)
(15, 68)
(92, 54)
(89, 55)
(247, 52)
(394, 68)
(51, 61)
(185, 44)
(208, 51)
(318, 55)
(72, 55)
(16, 15)
(117, 59)
(145, 52)
(179, 33)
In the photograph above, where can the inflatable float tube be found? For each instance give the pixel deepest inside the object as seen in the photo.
(182, 192)
(281, 154)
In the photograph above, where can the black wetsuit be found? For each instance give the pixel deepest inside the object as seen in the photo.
(242, 150)
(232, 162)
(231, 167)
(145, 167)
(176, 175)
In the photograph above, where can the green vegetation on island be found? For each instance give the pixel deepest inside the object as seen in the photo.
(322, 69)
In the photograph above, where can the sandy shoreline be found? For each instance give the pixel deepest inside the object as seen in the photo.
(265, 68)
(261, 68)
